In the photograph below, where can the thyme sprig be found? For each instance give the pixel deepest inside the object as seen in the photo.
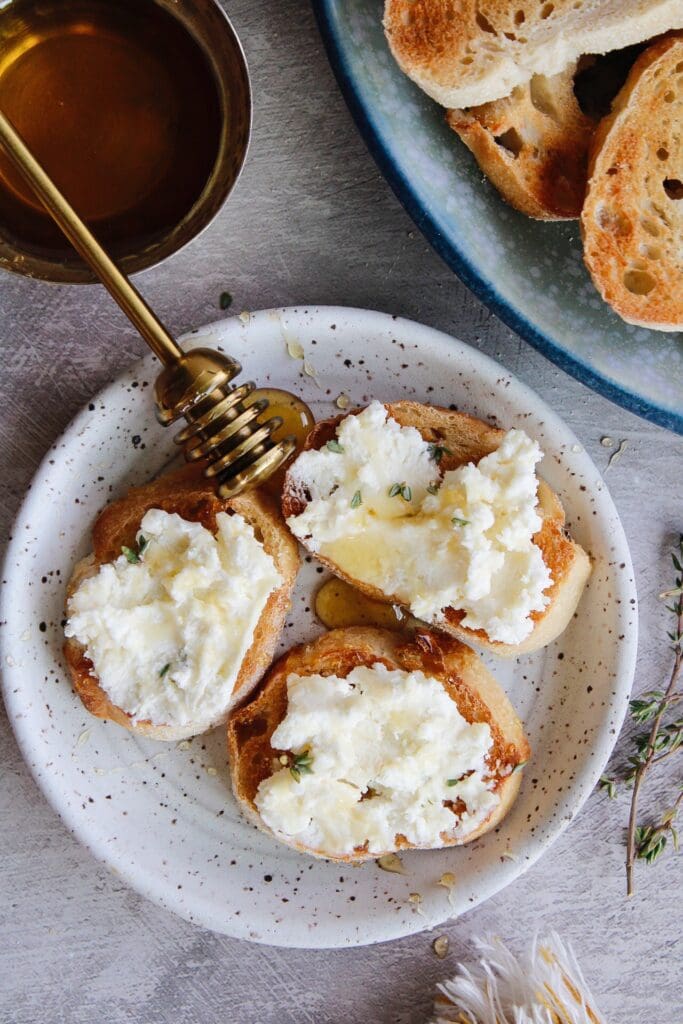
(664, 738)
(301, 765)
(437, 452)
(403, 489)
(133, 555)
(609, 785)
(652, 839)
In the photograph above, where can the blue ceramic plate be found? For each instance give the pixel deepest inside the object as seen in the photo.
(531, 274)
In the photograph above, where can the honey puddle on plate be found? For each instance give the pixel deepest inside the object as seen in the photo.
(338, 604)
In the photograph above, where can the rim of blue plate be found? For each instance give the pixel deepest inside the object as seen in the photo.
(456, 258)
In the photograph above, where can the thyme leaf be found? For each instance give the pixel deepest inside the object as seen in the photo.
(437, 452)
(301, 765)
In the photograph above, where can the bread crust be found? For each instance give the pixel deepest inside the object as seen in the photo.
(469, 440)
(459, 670)
(189, 494)
(464, 53)
(632, 227)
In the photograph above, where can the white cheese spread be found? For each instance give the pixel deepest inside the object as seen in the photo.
(167, 630)
(383, 752)
(380, 510)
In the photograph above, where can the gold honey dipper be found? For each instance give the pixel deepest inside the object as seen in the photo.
(222, 427)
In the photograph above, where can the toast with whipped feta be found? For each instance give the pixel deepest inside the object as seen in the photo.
(443, 514)
(365, 742)
(177, 613)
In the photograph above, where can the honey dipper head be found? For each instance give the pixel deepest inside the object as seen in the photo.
(223, 427)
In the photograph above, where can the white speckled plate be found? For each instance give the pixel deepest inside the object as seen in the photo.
(162, 815)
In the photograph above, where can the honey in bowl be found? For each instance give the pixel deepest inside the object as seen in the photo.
(120, 105)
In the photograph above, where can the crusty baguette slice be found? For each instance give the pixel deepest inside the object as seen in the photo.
(632, 221)
(532, 145)
(468, 440)
(459, 670)
(189, 494)
(467, 52)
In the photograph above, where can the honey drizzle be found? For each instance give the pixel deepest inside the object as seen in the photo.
(297, 420)
(338, 605)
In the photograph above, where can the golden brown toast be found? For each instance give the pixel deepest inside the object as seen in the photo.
(467, 52)
(532, 145)
(189, 494)
(459, 670)
(632, 220)
(469, 440)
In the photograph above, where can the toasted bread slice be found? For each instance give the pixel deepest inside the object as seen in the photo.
(469, 440)
(467, 52)
(533, 145)
(460, 671)
(189, 494)
(632, 221)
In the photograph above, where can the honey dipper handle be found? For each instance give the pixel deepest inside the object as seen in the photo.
(85, 243)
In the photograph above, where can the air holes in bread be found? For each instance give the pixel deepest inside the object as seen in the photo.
(484, 24)
(639, 282)
(511, 140)
(673, 188)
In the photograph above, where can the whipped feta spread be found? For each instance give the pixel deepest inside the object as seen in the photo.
(385, 752)
(380, 509)
(167, 629)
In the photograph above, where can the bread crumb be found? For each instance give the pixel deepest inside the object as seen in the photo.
(391, 862)
(440, 946)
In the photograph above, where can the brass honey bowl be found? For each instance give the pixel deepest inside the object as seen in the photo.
(198, 28)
